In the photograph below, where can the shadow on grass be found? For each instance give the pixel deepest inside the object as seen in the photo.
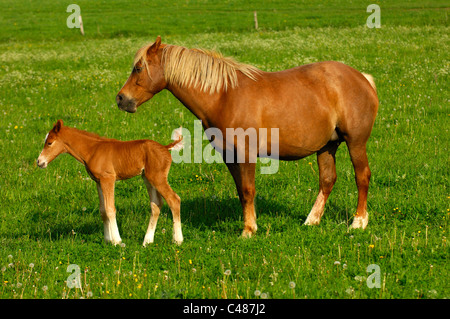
(226, 214)
(199, 214)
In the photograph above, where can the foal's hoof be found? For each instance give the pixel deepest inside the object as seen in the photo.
(178, 242)
(147, 242)
(178, 237)
(115, 243)
(248, 232)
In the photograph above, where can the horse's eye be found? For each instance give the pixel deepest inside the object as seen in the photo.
(49, 143)
(138, 70)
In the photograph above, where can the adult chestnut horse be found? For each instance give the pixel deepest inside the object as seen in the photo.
(314, 106)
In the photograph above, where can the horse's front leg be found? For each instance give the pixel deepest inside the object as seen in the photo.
(244, 177)
(108, 210)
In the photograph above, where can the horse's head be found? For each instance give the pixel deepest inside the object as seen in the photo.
(53, 146)
(146, 79)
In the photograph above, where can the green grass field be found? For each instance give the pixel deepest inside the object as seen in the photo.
(50, 218)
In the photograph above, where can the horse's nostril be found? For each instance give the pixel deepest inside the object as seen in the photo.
(119, 98)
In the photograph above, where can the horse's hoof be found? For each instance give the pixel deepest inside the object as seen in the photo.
(360, 222)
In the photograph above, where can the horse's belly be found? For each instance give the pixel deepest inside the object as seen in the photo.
(290, 141)
(285, 151)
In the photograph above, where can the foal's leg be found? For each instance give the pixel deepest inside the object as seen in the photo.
(159, 181)
(106, 196)
(156, 203)
(244, 178)
(174, 202)
(358, 156)
(327, 177)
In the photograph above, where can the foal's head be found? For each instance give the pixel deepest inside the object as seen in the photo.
(53, 146)
(146, 79)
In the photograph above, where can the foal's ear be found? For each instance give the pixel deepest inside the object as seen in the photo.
(58, 126)
(155, 46)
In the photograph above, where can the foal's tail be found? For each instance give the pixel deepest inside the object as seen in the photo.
(177, 136)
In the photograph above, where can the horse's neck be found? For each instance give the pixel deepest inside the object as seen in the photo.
(78, 144)
(202, 104)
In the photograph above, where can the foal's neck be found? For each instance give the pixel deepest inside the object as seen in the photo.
(79, 144)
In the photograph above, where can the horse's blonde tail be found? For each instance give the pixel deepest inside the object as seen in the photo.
(371, 80)
(177, 136)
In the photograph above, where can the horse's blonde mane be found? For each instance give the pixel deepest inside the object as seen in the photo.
(140, 57)
(208, 70)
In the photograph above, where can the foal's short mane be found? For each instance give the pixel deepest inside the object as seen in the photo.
(86, 133)
(209, 70)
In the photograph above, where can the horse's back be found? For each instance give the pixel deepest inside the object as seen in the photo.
(307, 103)
(329, 84)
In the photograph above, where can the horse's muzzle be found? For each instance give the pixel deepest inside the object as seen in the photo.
(126, 104)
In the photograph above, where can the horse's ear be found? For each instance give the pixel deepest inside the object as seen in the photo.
(155, 46)
(58, 126)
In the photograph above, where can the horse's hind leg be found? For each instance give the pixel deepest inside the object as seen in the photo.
(360, 162)
(156, 203)
(327, 177)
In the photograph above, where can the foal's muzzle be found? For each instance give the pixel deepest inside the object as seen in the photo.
(42, 163)
(126, 104)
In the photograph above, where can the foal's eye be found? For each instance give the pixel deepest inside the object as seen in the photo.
(49, 143)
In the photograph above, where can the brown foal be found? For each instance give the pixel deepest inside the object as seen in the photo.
(315, 107)
(109, 160)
